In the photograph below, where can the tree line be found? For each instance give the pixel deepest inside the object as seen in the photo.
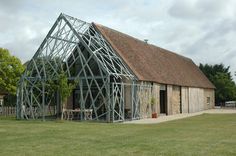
(222, 78)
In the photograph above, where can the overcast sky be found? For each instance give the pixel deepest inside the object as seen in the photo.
(204, 30)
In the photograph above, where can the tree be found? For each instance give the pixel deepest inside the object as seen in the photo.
(63, 86)
(10, 71)
(226, 89)
(221, 77)
(211, 70)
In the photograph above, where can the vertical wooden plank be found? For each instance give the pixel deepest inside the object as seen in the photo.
(169, 99)
(184, 99)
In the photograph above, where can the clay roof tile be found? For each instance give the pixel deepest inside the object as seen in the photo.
(151, 63)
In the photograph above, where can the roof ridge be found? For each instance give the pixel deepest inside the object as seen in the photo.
(152, 63)
(120, 32)
(139, 40)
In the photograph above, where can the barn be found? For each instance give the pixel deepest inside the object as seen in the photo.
(119, 77)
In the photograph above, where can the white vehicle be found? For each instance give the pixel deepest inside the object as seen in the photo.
(230, 104)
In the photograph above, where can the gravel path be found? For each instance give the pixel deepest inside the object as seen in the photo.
(180, 116)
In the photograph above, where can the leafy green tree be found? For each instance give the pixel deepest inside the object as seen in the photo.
(63, 86)
(221, 77)
(226, 89)
(211, 70)
(10, 71)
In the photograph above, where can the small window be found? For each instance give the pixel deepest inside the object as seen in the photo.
(208, 100)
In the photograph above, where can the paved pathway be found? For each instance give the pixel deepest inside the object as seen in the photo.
(180, 116)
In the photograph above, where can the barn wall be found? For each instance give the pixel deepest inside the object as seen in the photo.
(209, 98)
(176, 100)
(156, 96)
(146, 108)
(173, 99)
(145, 97)
(185, 99)
(169, 99)
(188, 99)
(191, 99)
(196, 99)
(179, 99)
(128, 95)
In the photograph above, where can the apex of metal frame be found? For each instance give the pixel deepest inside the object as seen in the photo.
(69, 43)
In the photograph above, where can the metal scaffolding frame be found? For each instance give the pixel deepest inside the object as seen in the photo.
(130, 95)
(78, 49)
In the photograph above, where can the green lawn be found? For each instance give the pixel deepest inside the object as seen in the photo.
(201, 135)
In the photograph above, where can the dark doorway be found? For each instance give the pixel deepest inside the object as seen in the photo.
(76, 99)
(163, 101)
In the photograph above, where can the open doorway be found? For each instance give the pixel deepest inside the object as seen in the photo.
(76, 99)
(163, 99)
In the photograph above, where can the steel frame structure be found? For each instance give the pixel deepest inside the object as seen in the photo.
(140, 94)
(78, 49)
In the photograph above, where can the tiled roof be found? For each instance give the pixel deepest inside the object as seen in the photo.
(151, 63)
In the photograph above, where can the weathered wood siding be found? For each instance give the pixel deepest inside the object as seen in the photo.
(145, 98)
(176, 100)
(191, 99)
(128, 97)
(169, 99)
(209, 93)
(196, 99)
(185, 99)
(156, 96)
(173, 99)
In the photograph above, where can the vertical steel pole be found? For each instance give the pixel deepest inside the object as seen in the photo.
(113, 102)
(81, 99)
(58, 104)
(43, 100)
(22, 102)
(31, 102)
(132, 100)
(109, 104)
(123, 100)
(18, 104)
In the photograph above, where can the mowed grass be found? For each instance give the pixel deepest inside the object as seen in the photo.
(200, 135)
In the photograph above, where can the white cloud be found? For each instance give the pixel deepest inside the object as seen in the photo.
(202, 30)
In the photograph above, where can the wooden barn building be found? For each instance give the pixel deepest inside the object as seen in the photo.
(119, 77)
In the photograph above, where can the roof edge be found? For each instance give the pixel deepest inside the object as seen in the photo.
(116, 49)
(140, 77)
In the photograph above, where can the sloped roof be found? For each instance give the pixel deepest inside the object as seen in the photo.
(151, 63)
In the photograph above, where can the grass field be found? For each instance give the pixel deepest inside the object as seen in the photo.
(201, 135)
